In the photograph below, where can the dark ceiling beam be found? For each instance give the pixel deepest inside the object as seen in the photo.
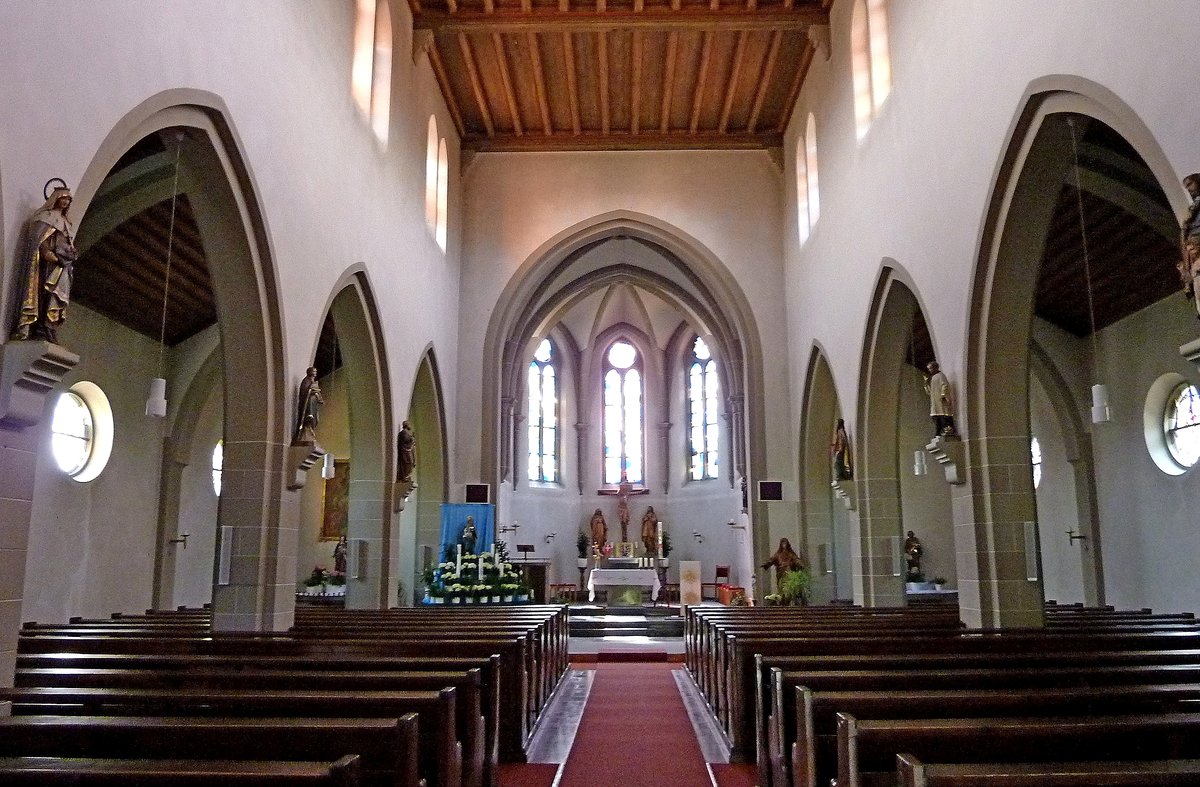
(591, 21)
(645, 141)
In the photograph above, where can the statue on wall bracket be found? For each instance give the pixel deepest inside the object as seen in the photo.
(46, 267)
(1189, 263)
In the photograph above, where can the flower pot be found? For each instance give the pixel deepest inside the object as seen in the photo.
(581, 562)
(507, 599)
(455, 600)
(664, 562)
(524, 597)
(495, 599)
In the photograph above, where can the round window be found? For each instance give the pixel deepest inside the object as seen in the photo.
(71, 432)
(1181, 424)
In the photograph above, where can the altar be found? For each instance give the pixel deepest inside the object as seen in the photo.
(623, 578)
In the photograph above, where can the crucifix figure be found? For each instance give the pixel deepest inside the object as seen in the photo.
(623, 491)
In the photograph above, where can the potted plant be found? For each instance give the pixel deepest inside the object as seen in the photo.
(437, 595)
(508, 591)
(318, 580)
(794, 587)
(666, 550)
(938, 582)
(522, 594)
(773, 599)
(454, 592)
(583, 545)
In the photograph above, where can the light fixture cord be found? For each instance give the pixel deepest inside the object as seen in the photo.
(162, 331)
(1087, 262)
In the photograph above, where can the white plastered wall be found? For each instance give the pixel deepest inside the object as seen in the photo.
(916, 189)
(331, 195)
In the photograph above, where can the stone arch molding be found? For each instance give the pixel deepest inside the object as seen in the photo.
(998, 356)
(253, 587)
(692, 277)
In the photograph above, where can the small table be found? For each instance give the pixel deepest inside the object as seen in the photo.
(623, 577)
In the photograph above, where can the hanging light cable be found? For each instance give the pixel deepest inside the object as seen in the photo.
(327, 468)
(1100, 410)
(919, 467)
(156, 404)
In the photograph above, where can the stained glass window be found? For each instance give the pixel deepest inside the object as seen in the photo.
(622, 414)
(543, 415)
(703, 410)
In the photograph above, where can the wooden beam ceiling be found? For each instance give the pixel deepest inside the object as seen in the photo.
(525, 75)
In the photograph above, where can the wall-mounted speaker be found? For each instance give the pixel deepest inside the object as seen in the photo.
(770, 490)
(478, 493)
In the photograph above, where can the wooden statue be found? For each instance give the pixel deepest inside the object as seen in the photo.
(47, 268)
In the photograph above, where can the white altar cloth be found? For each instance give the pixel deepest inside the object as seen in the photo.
(637, 577)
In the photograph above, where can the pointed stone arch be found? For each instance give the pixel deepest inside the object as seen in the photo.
(692, 274)
(995, 589)
(233, 228)
(420, 521)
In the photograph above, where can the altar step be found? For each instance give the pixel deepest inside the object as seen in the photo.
(625, 622)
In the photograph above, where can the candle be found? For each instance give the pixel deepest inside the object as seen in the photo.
(660, 554)
(458, 568)
(479, 565)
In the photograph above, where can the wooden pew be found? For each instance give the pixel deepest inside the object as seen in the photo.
(80, 772)
(478, 754)
(1160, 773)
(387, 748)
(867, 748)
(439, 750)
(810, 747)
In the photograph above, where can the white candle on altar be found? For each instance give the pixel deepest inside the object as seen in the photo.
(660, 539)
(458, 568)
(479, 566)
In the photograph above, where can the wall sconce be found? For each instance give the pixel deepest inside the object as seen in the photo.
(696, 535)
(509, 528)
(550, 537)
(1073, 536)
(182, 539)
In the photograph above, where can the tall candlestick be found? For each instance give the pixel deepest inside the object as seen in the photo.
(458, 568)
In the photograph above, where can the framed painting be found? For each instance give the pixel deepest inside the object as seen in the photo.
(337, 502)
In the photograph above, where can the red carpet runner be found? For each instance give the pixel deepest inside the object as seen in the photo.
(635, 732)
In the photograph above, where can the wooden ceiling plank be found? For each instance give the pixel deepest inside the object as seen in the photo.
(572, 84)
(676, 140)
(439, 73)
(668, 81)
(701, 80)
(789, 106)
(476, 86)
(151, 276)
(539, 83)
(602, 56)
(452, 6)
(510, 96)
(735, 74)
(589, 20)
(764, 80)
(635, 87)
(119, 278)
(185, 263)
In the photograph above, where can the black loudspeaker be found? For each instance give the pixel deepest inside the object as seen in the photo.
(478, 493)
(770, 490)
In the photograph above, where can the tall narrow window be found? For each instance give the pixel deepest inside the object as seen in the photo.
(802, 190)
(543, 415)
(703, 425)
(810, 158)
(1035, 455)
(431, 174)
(218, 462)
(870, 61)
(371, 65)
(443, 194)
(622, 414)
(381, 76)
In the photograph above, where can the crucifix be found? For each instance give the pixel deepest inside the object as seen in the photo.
(623, 492)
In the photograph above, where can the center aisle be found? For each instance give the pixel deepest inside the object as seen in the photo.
(635, 731)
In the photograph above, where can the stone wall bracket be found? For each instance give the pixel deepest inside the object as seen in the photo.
(951, 454)
(29, 371)
(844, 491)
(1191, 351)
(400, 492)
(302, 457)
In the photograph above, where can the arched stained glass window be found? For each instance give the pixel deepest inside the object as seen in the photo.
(622, 414)
(1181, 424)
(218, 463)
(703, 425)
(543, 415)
(870, 61)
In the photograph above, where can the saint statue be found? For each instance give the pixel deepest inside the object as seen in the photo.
(599, 530)
(784, 560)
(308, 412)
(941, 401)
(912, 553)
(650, 531)
(468, 536)
(1189, 264)
(406, 453)
(623, 490)
(47, 267)
(839, 448)
(339, 556)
